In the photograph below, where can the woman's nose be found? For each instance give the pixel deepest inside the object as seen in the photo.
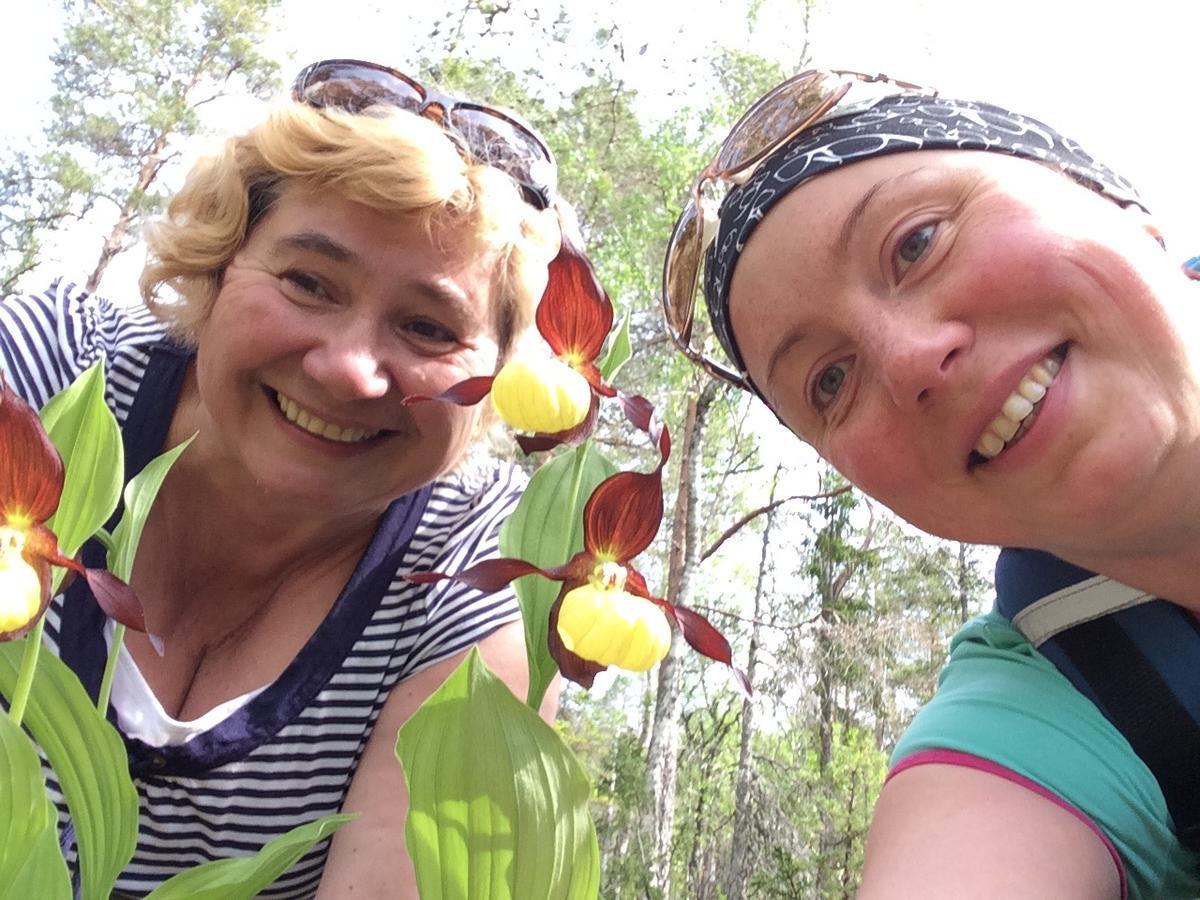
(919, 360)
(348, 369)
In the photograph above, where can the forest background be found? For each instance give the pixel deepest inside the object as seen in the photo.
(840, 615)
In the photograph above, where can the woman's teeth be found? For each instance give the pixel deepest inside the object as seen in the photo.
(1016, 414)
(310, 423)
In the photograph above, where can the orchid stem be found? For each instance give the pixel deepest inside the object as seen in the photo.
(110, 667)
(29, 659)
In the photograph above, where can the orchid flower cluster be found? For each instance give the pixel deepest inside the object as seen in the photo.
(605, 614)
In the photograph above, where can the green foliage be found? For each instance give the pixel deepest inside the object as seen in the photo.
(30, 862)
(243, 878)
(88, 439)
(140, 495)
(545, 532)
(89, 761)
(498, 810)
(130, 79)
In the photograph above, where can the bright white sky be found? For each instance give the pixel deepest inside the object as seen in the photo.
(1117, 76)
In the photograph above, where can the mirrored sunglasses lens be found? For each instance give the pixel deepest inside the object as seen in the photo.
(497, 141)
(774, 118)
(682, 271)
(354, 88)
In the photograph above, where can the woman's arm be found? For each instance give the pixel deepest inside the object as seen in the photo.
(949, 831)
(368, 858)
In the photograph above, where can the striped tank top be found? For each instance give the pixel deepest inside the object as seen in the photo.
(287, 755)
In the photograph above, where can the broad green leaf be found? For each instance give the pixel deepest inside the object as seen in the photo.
(539, 532)
(245, 876)
(619, 351)
(86, 434)
(30, 862)
(89, 761)
(140, 494)
(497, 802)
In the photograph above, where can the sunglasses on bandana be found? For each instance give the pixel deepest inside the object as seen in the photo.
(769, 124)
(491, 136)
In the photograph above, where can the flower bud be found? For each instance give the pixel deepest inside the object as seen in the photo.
(541, 395)
(613, 628)
(20, 586)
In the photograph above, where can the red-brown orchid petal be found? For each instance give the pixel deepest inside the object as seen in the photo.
(31, 471)
(41, 544)
(573, 437)
(490, 575)
(116, 598)
(43, 573)
(575, 314)
(465, 393)
(591, 373)
(705, 639)
(640, 413)
(573, 667)
(622, 516)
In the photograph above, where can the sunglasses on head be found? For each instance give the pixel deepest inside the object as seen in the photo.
(490, 135)
(773, 120)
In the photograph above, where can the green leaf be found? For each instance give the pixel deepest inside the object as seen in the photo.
(546, 529)
(497, 802)
(86, 434)
(244, 877)
(89, 761)
(140, 494)
(30, 862)
(619, 351)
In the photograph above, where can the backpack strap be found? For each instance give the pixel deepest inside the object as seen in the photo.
(1138, 658)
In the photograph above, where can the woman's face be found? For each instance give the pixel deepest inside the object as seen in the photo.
(903, 314)
(328, 316)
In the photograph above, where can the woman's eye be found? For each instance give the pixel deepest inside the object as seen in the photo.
(305, 283)
(828, 383)
(431, 332)
(913, 247)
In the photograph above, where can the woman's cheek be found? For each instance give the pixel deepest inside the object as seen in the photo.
(872, 464)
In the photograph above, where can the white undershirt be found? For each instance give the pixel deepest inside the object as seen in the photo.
(141, 716)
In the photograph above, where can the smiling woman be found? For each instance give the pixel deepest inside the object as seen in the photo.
(988, 337)
(326, 265)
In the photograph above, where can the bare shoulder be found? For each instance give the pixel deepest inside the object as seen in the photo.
(954, 831)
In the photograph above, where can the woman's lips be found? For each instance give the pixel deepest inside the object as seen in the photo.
(1020, 408)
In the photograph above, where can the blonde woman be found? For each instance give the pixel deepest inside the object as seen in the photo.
(358, 246)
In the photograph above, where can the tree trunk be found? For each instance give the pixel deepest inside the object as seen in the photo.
(736, 876)
(115, 242)
(663, 756)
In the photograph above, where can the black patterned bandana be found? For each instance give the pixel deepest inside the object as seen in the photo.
(893, 125)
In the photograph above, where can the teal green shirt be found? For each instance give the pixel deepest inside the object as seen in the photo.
(1001, 700)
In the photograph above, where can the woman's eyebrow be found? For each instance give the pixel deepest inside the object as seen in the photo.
(317, 242)
(859, 211)
(793, 336)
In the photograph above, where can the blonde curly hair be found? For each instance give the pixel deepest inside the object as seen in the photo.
(384, 158)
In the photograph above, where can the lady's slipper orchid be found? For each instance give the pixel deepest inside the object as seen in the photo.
(553, 401)
(605, 615)
(31, 483)
(541, 395)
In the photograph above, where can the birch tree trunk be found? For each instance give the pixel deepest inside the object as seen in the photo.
(742, 811)
(663, 757)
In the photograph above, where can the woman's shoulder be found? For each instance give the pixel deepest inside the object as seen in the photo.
(1002, 701)
(479, 484)
(49, 337)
